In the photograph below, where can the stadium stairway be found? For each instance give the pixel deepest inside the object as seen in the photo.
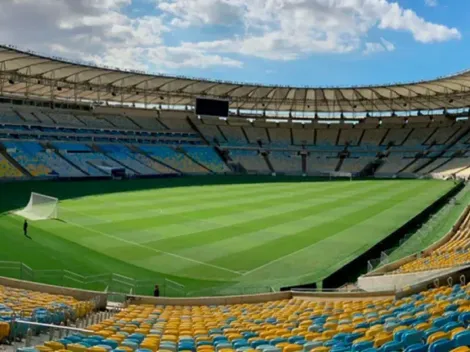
(136, 149)
(56, 151)
(109, 155)
(448, 146)
(268, 162)
(182, 151)
(14, 162)
(215, 145)
(340, 163)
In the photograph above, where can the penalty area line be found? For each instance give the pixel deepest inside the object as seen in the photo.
(278, 259)
(154, 249)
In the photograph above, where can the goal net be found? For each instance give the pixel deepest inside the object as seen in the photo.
(39, 207)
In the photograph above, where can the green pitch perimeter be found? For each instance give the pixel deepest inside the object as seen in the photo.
(211, 234)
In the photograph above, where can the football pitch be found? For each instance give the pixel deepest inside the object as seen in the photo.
(205, 233)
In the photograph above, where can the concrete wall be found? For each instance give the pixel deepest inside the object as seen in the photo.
(396, 281)
(336, 296)
(200, 301)
(82, 295)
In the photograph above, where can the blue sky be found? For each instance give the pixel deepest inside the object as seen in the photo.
(286, 42)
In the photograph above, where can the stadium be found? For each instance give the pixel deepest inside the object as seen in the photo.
(272, 218)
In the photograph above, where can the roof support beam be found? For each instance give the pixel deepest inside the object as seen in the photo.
(2, 77)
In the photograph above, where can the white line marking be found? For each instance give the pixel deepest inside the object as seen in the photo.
(277, 260)
(153, 249)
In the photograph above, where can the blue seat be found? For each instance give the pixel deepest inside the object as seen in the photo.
(311, 345)
(340, 349)
(451, 326)
(330, 343)
(361, 346)
(257, 343)
(392, 346)
(462, 339)
(351, 337)
(340, 336)
(412, 337)
(443, 345)
(398, 336)
(294, 339)
(419, 347)
(277, 340)
(113, 344)
(464, 318)
(204, 343)
(441, 321)
(430, 331)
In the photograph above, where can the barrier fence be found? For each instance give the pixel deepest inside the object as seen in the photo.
(413, 242)
(118, 285)
(110, 282)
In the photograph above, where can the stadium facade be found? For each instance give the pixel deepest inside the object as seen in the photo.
(403, 130)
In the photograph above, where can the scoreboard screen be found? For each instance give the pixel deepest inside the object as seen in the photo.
(212, 107)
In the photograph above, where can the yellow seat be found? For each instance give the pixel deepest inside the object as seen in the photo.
(461, 349)
(44, 349)
(381, 340)
(320, 349)
(54, 345)
(75, 347)
(292, 348)
(437, 336)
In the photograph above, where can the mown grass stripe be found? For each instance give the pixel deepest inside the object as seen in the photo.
(241, 230)
(272, 250)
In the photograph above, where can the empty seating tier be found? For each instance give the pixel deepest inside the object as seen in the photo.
(207, 157)
(8, 170)
(251, 160)
(174, 159)
(453, 253)
(433, 320)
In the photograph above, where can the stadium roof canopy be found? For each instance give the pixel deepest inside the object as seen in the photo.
(30, 75)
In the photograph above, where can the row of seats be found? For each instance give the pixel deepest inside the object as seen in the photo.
(435, 320)
(286, 162)
(235, 135)
(37, 306)
(8, 170)
(39, 162)
(454, 252)
(125, 156)
(175, 159)
(208, 157)
(25, 114)
(200, 159)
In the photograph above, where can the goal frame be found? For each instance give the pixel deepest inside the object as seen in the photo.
(29, 213)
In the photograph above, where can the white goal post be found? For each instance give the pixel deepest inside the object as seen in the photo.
(40, 207)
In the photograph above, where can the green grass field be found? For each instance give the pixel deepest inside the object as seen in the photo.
(210, 234)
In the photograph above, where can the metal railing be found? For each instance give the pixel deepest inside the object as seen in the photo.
(117, 285)
(109, 282)
(413, 241)
(27, 333)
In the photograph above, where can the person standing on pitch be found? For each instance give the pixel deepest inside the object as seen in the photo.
(156, 292)
(25, 228)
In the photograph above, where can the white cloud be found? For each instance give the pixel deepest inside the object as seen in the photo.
(431, 3)
(97, 31)
(287, 29)
(376, 47)
(101, 31)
